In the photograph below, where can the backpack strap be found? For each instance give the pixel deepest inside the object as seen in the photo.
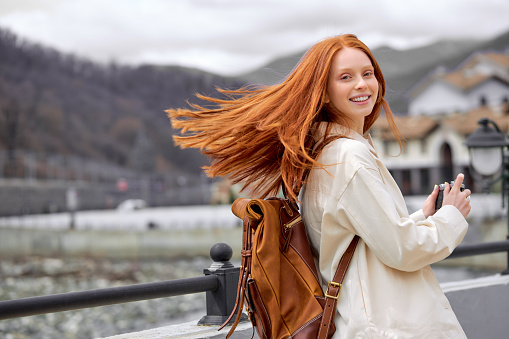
(333, 289)
(245, 270)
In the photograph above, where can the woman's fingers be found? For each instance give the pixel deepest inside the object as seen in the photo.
(458, 182)
(454, 196)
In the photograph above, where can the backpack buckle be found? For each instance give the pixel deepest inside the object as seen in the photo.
(334, 284)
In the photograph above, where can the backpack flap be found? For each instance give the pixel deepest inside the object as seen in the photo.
(284, 272)
(239, 207)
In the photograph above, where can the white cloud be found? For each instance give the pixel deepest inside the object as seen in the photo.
(229, 36)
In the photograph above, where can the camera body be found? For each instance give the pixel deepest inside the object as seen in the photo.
(440, 197)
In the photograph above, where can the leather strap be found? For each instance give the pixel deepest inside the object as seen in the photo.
(333, 289)
(245, 267)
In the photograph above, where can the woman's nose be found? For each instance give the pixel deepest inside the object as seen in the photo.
(361, 84)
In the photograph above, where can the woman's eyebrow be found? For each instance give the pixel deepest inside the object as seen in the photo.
(348, 69)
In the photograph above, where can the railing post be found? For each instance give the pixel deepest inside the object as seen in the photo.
(506, 271)
(221, 302)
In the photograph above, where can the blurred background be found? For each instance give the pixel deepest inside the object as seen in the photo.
(87, 162)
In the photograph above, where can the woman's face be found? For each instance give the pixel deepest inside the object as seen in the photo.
(352, 86)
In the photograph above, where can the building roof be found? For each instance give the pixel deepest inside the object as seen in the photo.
(462, 82)
(502, 59)
(420, 126)
(466, 123)
(411, 127)
(499, 58)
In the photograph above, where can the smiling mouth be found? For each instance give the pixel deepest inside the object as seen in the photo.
(360, 99)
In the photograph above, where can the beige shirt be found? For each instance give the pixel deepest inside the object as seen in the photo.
(390, 290)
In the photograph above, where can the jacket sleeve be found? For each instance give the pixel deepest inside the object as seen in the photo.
(418, 216)
(402, 242)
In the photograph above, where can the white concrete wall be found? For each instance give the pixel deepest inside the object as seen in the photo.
(493, 90)
(438, 98)
(416, 156)
(113, 244)
(165, 218)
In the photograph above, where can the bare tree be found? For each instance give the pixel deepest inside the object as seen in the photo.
(10, 130)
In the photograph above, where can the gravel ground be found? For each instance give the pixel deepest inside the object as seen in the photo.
(35, 276)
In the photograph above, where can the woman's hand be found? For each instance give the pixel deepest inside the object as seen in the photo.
(454, 196)
(429, 205)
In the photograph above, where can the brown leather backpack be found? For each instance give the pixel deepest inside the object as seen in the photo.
(278, 280)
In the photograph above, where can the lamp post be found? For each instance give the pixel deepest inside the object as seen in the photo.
(489, 158)
(488, 155)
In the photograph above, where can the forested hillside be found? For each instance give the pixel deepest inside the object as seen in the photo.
(56, 103)
(52, 102)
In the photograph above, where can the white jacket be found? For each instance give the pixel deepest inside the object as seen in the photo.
(389, 290)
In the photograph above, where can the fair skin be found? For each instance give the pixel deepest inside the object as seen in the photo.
(452, 196)
(352, 89)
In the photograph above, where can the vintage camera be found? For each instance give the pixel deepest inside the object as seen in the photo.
(440, 197)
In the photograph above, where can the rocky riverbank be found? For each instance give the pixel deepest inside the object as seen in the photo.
(35, 276)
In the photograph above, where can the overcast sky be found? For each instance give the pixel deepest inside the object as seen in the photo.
(231, 37)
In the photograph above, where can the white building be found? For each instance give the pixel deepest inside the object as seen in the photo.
(444, 109)
(482, 80)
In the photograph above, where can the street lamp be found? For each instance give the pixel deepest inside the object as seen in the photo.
(488, 155)
(489, 160)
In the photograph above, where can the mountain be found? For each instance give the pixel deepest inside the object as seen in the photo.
(55, 103)
(392, 61)
(274, 71)
(59, 104)
(396, 62)
(401, 68)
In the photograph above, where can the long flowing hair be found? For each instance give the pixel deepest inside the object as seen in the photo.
(262, 137)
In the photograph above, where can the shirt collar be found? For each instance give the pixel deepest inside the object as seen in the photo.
(347, 133)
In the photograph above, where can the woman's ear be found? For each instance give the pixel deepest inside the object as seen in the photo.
(327, 99)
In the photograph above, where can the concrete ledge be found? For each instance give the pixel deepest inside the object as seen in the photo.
(469, 284)
(481, 305)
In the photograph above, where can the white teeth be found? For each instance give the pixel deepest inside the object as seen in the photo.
(358, 99)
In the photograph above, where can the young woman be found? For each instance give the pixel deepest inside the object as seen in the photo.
(316, 122)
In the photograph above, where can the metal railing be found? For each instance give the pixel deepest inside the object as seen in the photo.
(219, 283)
(483, 248)
(480, 248)
(107, 296)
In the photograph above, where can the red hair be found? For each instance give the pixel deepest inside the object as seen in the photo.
(263, 136)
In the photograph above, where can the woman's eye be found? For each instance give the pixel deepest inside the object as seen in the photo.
(345, 77)
(367, 74)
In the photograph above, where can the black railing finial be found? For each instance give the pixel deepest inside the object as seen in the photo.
(221, 301)
(220, 253)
